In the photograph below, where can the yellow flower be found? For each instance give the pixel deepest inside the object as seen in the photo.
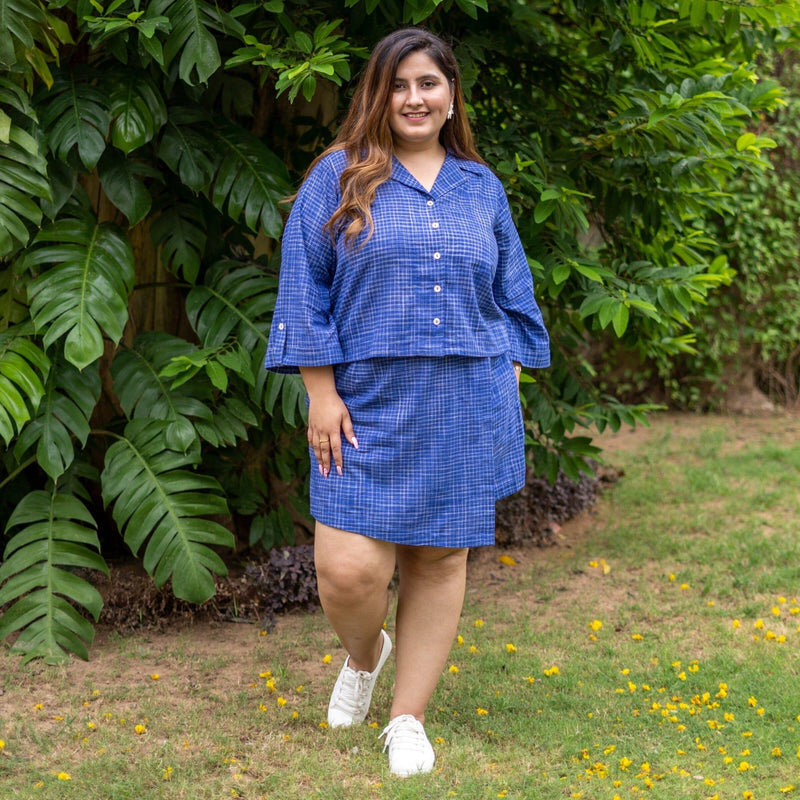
(510, 647)
(267, 674)
(637, 637)
(624, 763)
(439, 740)
(155, 676)
(595, 625)
(2, 744)
(459, 640)
(64, 776)
(38, 707)
(454, 669)
(682, 676)
(786, 789)
(481, 712)
(509, 562)
(776, 751)
(478, 623)
(759, 623)
(684, 587)
(281, 701)
(503, 793)
(140, 729)
(552, 671)
(270, 684)
(747, 795)
(672, 576)
(262, 707)
(736, 623)
(776, 612)
(326, 659)
(473, 649)
(744, 766)
(167, 774)
(323, 725)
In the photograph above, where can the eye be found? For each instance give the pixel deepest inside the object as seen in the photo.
(399, 86)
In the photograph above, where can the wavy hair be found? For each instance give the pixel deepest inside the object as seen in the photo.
(365, 133)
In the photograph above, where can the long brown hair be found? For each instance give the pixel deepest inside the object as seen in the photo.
(365, 133)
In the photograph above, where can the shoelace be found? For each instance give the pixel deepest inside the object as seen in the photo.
(405, 732)
(352, 695)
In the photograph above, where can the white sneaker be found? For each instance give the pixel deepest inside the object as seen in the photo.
(410, 752)
(353, 691)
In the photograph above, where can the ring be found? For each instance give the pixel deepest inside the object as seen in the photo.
(324, 441)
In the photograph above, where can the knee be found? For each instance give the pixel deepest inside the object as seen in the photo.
(348, 580)
(433, 563)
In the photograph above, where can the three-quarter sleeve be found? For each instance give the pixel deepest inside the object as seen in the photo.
(513, 292)
(303, 331)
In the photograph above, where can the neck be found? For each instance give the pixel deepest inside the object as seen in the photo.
(424, 152)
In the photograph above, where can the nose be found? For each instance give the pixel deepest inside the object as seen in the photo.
(414, 98)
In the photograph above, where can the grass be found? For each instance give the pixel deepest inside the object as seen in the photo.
(653, 654)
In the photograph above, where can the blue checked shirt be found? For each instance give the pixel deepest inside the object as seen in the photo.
(444, 273)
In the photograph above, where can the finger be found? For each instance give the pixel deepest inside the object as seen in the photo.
(324, 446)
(336, 451)
(349, 433)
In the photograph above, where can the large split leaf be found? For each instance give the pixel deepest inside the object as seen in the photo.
(144, 394)
(69, 400)
(159, 502)
(23, 369)
(74, 112)
(23, 169)
(51, 534)
(193, 35)
(82, 292)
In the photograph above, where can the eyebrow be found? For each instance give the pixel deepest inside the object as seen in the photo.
(431, 77)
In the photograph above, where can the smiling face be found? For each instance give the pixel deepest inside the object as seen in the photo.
(419, 102)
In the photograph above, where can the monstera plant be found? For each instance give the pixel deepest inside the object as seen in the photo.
(146, 147)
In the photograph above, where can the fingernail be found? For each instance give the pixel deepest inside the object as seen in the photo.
(321, 471)
(325, 473)
(355, 443)
(339, 470)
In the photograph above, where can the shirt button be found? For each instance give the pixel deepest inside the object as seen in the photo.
(435, 225)
(437, 256)
(430, 202)
(436, 321)
(437, 288)
(281, 326)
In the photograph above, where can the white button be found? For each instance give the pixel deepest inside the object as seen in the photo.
(430, 202)
(436, 321)
(435, 225)
(437, 288)
(437, 256)
(281, 326)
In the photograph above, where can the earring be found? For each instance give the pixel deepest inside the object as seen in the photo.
(450, 111)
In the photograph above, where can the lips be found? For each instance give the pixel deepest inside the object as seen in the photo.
(416, 115)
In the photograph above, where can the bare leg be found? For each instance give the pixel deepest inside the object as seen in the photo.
(353, 575)
(432, 582)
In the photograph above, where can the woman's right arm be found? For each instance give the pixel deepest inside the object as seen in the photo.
(328, 418)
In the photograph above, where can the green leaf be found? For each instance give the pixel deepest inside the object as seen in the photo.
(144, 393)
(74, 113)
(187, 149)
(70, 398)
(180, 231)
(193, 25)
(23, 171)
(53, 531)
(23, 369)
(137, 110)
(250, 180)
(124, 188)
(84, 288)
(158, 502)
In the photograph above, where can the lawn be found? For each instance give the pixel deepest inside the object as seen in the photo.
(652, 652)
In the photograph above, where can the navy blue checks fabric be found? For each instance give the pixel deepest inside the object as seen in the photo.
(421, 323)
(439, 440)
(444, 273)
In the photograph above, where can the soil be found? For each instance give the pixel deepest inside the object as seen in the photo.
(182, 637)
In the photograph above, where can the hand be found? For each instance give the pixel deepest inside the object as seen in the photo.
(328, 419)
(517, 371)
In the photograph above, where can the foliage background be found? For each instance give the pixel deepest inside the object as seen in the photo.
(145, 149)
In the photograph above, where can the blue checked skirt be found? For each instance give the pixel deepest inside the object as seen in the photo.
(440, 440)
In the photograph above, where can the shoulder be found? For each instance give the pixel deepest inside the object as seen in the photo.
(481, 175)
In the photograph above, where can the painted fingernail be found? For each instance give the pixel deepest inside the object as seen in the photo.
(355, 443)
(339, 470)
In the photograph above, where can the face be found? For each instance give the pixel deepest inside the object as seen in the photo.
(419, 102)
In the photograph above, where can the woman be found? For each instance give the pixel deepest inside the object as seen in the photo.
(407, 304)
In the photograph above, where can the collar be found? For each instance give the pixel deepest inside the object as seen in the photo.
(451, 175)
